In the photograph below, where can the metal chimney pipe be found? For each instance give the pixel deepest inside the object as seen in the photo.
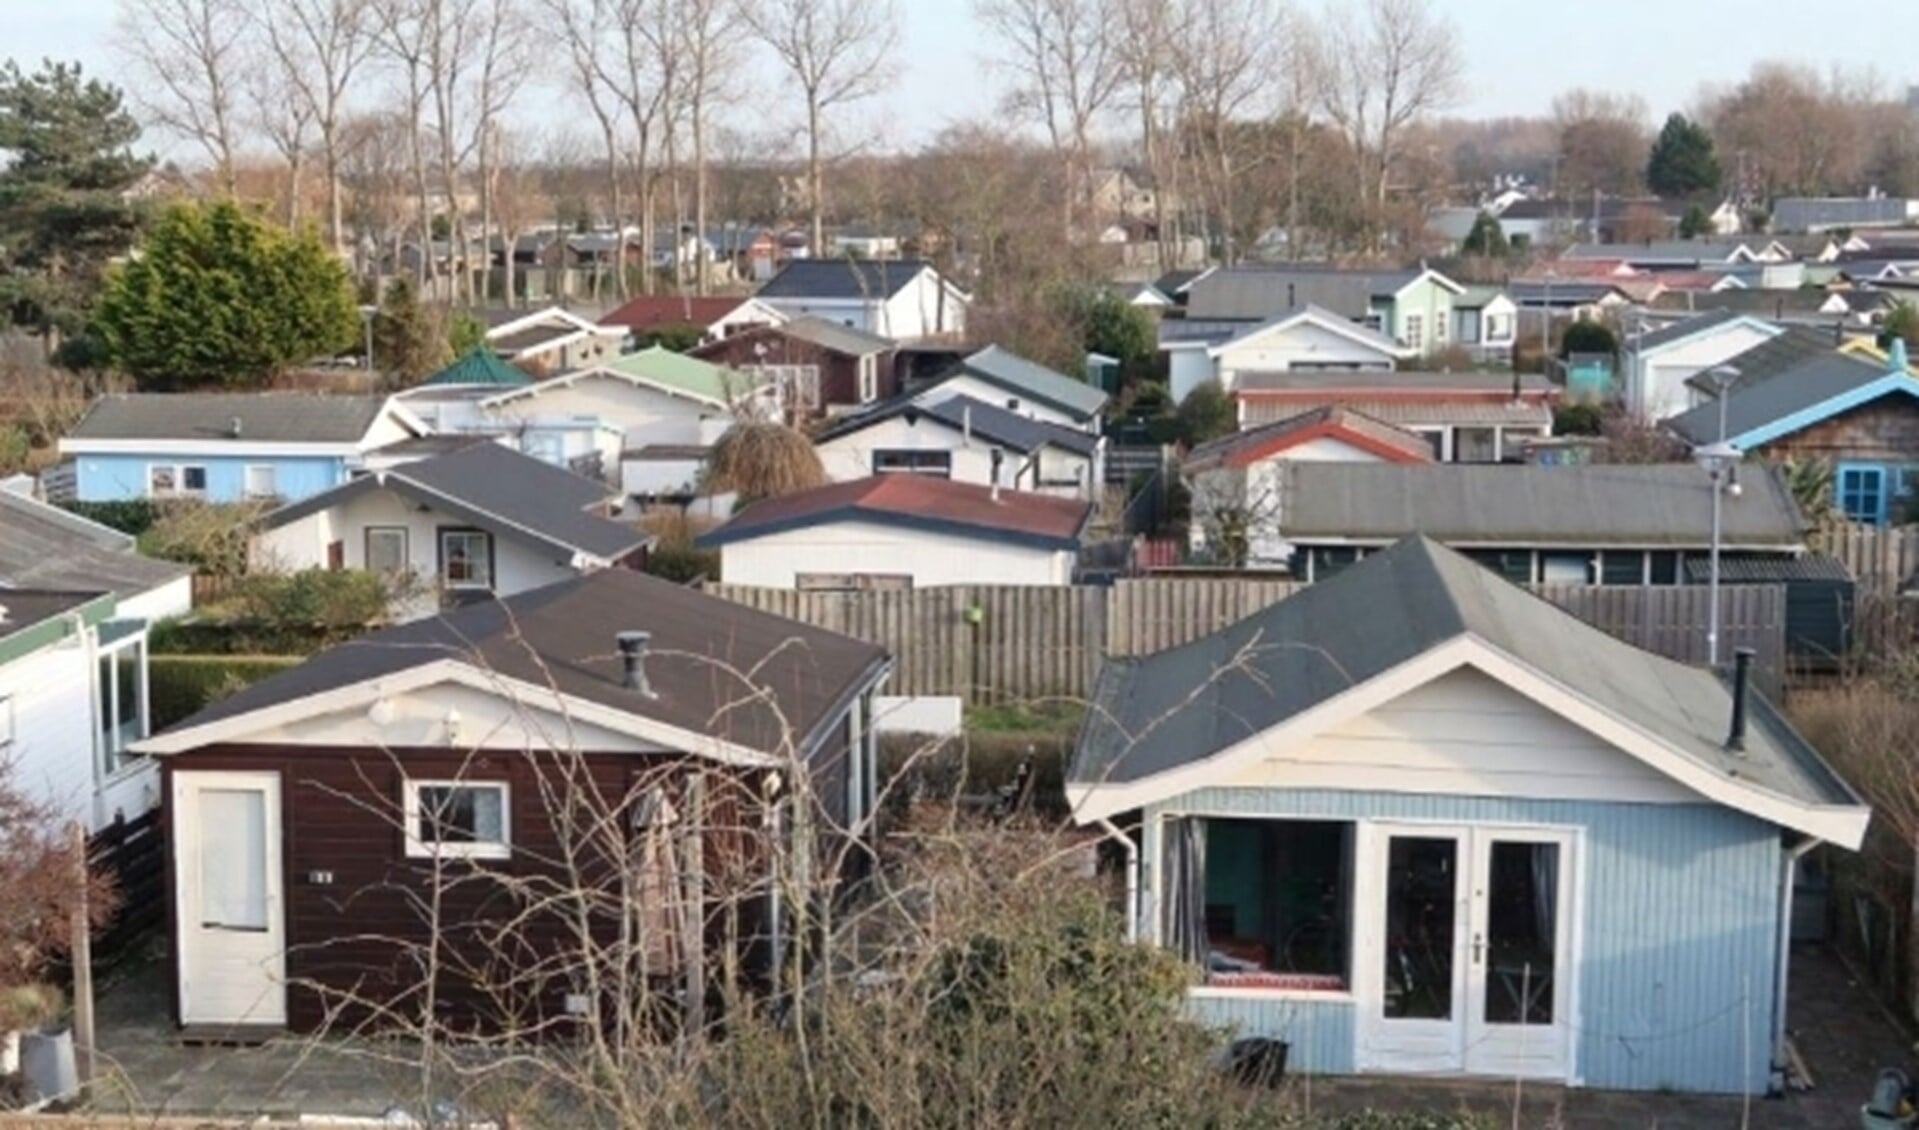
(1741, 670)
(998, 458)
(633, 647)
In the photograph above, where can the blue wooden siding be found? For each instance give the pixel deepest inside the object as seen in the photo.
(1677, 950)
(114, 478)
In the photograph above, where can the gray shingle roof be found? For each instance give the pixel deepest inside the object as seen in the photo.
(1516, 506)
(511, 495)
(843, 278)
(563, 636)
(264, 417)
(1187, 704)
(1685, 328)
(834, 336)
(989, 421)
(42, 546)
(1805, 213)
(1789, 350)
(1260, 293)
(1016, 374)
(1804, 386)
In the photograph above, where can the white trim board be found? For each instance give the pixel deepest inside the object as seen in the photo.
(1844, 825)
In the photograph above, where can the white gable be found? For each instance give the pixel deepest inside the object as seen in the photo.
(643, 413)
(419, 717)
(1300, 344)
(1465, 734)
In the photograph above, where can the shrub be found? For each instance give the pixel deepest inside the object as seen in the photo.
(977, 764)
(179, 686)
(326, 598)
(212, 537)
(683, 564)
(132, 516)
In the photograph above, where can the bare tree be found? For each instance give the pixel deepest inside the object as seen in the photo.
(1227, 60)
(587, 26)
(404, 31)
(504, 61)
(1066, 68)
(286, 122)
(708, 33)
(1379, 74)
(515, 200)
(834, 51)
(320, 46)
(1602, 142)
(1144, 46)
(193, 53)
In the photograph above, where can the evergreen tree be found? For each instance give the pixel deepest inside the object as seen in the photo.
(1682, 161)
(65, 211)
(220, 298)
(1694, 223)
(1487, 239)
(409, 343)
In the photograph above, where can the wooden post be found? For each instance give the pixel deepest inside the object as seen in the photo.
(693, 881)
(81, 953)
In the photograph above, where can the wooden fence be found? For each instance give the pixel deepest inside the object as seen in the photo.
(1880, 558)
(133, 852)
(990, 643)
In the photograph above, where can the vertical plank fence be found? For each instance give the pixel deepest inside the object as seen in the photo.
(999, 643)
(1880, 558)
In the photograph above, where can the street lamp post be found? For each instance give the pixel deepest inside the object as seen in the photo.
(367, 314)
(1720, 460)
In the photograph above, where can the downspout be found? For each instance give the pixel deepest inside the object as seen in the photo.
(1132, 875)
(1788, 867)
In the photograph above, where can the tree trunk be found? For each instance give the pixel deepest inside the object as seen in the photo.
(699, 195)
(815, 189)
(336, 211)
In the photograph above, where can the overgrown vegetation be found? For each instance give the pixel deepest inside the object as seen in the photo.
(178, 686)
(212, 537)
(762, 460)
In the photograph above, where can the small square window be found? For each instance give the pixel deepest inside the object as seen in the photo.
(193, 480)
(460, 819)
(262, 480)
(466, 559)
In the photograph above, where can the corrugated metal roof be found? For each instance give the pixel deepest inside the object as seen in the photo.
(834, 336)
(264, 417)
(1768, 570)
(1582, 506)
(1407, 413)
(481, 367)
(1187, 704)
(1382, 382)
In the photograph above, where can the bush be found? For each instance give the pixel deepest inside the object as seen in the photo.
(683, 564)
(977, 764)
(324, 598)
(132, 516)
(212, 537)
(179, 686)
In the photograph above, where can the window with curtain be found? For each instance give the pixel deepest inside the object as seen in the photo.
(1278, 900)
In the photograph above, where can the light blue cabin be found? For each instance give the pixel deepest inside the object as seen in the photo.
(1416, 820)
(227, 447)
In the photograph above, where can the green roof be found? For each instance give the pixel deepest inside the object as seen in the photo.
(677, 372)
(480, 367)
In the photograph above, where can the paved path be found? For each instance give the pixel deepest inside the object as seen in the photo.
(1844, 1036)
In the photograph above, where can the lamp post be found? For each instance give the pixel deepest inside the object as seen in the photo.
(367, 314)
(1546, 328)
(1720, 461)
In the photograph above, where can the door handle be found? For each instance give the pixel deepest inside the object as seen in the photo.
(1479, 947)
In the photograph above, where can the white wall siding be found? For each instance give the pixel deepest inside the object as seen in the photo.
(1662, 390)
(486, 721)
(970, 386)
(644, 414)
(1187, 369)
(1467, 734)
(837, 548)
(851, 456)
(1304, 346)
(50, 696)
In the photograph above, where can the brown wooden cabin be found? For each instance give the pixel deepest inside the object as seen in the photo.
(610, 750)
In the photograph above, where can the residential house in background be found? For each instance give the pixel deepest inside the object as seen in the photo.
(1658, 364)
(901, 531)
(901, 299)
(713, 317)
(1309, 339)
(1485, 323)
(1595, 524)
(466, 743)
(481, 522)
(831, 368)
(45, 547)
(1024, 388)
(1417, 820)
(1413, 306)
(1854, 310)
(73, 700)
(1237, 485)
(1858, 416)
(1467, 417)
(1835, 213)
(860, 241)
(227, 447)
(552, 340)
(965, 440)
(479, 368)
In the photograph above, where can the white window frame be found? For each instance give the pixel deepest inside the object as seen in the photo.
(1415, 331)
(178, 472)
(869, 379)
(406, 547)
(248, 490)
(486, 540)
(111, 742)
(417, 848)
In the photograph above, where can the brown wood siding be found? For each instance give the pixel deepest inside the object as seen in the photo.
(839, 373)
(358, 934)
(1884, 431)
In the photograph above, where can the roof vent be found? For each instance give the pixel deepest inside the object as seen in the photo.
(1741, 670)
(1896, 356)
(633, 647)
(233, 428)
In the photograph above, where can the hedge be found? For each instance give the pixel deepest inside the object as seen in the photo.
(133, 516)
(178, 686)
(200, 638)
(977, 764)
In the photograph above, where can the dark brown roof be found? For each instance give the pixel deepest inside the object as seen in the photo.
(918, 502)
(651, 312)
(562, 636)
(1239, 449)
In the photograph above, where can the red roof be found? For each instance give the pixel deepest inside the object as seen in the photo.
(921, 502)
(656, 311)
(1356, 429)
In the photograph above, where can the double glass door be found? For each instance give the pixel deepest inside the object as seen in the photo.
(1469, 959)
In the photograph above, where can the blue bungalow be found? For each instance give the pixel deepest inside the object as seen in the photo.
(1417, 820)
(227, 447)
(1858, 414)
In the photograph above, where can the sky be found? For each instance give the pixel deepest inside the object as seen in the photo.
(1519, 53)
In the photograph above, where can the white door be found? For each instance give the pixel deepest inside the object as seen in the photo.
(227, 891)
(1472, 947)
